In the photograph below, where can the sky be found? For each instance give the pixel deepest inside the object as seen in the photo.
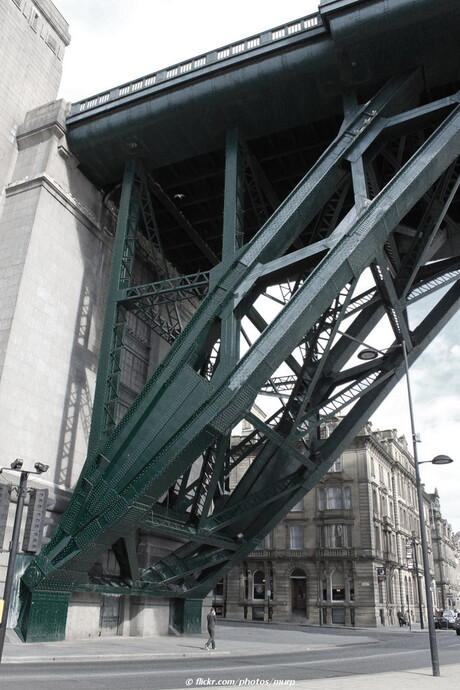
(117, 41)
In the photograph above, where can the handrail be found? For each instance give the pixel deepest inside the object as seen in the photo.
(184, 69)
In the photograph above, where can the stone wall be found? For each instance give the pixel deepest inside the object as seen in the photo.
(32, 43)
(55, 248)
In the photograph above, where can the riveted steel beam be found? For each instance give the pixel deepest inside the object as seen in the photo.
(169, 462)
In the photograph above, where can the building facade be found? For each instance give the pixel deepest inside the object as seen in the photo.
(446, 558)
(349, 552)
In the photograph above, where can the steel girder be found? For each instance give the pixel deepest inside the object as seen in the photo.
(284, 316)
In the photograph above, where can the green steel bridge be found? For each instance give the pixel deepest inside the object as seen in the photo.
(303, 186)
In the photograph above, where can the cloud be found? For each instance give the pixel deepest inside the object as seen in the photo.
(114, 42)
(435, 385)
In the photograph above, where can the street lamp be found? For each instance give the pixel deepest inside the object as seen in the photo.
(16, 466)
(370, 353)
(413, 545)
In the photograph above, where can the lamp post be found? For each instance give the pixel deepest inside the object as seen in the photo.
(16, 466)
(413, 544)
(438, 460)
(368, 354)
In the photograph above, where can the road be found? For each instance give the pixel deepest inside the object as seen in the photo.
(389, 651)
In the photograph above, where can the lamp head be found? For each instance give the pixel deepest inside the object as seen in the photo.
(368, 354)
(40, 467)
(441, 460)
(17, 464)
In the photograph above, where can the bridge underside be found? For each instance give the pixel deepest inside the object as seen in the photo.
(298, 246)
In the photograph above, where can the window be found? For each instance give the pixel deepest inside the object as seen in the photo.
(375, 502)
(337, 586)
(335, 536)
(34, 20)
(377, 537)
(338, 536)
(296, 536)
(258, 582)
(320, 496)
(298, 507)
(334, 498)
(218, 590)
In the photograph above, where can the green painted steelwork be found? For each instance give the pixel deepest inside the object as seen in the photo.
(185, 615)
(288, 76)
(283, 316)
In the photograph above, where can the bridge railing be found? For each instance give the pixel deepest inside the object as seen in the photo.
(183, 70)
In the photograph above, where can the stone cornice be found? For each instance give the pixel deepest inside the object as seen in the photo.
(45, 181)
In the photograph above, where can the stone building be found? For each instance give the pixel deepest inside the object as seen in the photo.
(348, 553)
(446, 558)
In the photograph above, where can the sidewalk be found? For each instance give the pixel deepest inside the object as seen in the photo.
(248, 641)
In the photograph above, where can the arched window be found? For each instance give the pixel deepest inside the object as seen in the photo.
(258, 584)
(298, 572)
(337, 586)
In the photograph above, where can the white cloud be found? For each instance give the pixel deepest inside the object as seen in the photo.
(435, 385)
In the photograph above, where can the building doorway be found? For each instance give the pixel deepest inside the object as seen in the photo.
(109, 615)
(298, 591)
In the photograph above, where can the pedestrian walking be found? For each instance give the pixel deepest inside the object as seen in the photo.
(401, 619)
(211, 625)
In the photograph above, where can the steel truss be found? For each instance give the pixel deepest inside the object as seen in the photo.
(366, 233)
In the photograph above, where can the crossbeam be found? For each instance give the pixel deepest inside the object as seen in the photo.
(284, 313)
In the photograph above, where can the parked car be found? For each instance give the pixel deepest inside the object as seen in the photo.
(456, 624)
(444, 620)
(450, 617)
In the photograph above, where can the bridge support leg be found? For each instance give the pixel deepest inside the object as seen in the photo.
(44, 617)
(185, 615)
